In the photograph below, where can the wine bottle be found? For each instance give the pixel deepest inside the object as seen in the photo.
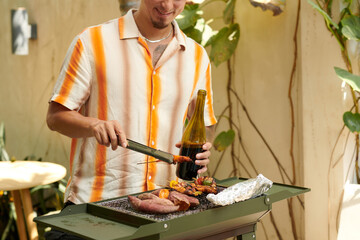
(192, 140)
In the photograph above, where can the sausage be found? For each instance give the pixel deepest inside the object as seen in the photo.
(151, 206)
(192, 200)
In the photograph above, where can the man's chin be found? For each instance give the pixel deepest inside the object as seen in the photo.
(160, 25)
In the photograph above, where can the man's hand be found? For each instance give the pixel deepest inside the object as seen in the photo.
(109, 133)
(72, 124)
(203, 157)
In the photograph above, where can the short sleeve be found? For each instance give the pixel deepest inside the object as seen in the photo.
(73, 84)
(206, 84)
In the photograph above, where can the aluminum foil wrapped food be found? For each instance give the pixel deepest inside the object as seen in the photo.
(241, 191)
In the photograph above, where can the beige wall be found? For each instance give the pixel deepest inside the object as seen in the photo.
(262, 70)
(27, 81)
(263, 65)
(322, 108)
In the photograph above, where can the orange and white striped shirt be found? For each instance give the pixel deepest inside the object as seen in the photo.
(108, 74)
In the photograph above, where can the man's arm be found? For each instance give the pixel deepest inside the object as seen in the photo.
(73, 124)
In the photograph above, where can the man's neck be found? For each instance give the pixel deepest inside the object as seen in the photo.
(147, 29)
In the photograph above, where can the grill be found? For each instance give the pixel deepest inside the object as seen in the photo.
(123, 205)
(115, 219)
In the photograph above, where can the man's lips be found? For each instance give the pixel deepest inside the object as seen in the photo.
(164, 13)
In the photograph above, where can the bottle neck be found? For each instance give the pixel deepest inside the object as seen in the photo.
(199, 107)
(195, 130)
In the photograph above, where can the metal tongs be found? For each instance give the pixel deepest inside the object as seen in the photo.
(158, 154)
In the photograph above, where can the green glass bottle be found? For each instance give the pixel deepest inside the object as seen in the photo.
(192, 140)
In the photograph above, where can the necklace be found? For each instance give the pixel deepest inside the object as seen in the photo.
(158, 40)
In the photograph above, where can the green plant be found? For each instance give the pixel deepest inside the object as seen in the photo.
(222, 44)
(7, 209)
(3, 154)
(347, 28)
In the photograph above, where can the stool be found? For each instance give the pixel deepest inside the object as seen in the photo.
(17, 177)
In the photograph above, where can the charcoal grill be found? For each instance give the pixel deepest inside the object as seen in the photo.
(112, 219)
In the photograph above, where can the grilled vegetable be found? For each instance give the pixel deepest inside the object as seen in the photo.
(184, 187)
(161, 193)
(164, 193)
(145, 196)
(199, 186)
(152, 205)
(205, 184)
(179, 200)
(192, 200)
(156, 199)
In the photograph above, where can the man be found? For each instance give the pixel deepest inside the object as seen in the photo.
(134, 77)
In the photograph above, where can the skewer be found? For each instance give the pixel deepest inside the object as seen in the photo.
(177, 159)
(149, 162)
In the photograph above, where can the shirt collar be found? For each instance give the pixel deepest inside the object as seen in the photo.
(128, 29)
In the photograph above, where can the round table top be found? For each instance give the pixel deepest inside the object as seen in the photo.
(26, 174)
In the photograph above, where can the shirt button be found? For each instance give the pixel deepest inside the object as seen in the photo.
(153, 107)
(149, 177)
(154, 72)
(152, 142)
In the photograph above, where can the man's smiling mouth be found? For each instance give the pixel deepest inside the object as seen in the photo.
(164, 13)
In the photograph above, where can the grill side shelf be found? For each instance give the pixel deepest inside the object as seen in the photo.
(89, 221)
(276, 193)
(280, 192)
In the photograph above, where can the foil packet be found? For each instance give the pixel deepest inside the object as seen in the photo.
(241, 191)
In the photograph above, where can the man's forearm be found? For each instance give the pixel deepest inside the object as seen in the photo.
(69, 123)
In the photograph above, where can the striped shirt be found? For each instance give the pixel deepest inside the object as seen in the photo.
(108, 74)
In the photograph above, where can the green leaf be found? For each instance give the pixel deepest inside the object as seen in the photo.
(2, 135)
(228, 13)
(223, 140)
(201, 32)
(349, 78)
(4, 156)
(224, 43)
(351, 27)
(207, 33)
(189, 16)
(62, 186)
(194, 33)
(40, 187)
(352, 121)
(327, 18)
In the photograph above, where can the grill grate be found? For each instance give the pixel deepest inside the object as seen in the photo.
(123, 205)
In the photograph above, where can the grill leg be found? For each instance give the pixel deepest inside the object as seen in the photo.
(247, 236)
